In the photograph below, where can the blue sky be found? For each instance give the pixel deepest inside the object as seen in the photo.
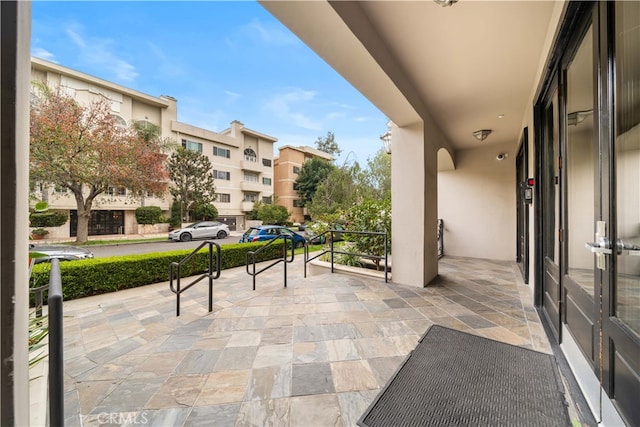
(222, 60)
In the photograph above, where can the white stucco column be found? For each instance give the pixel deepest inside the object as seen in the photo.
(15, 21)
(414, 207)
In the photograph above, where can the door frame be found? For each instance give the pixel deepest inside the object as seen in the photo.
(522, 206)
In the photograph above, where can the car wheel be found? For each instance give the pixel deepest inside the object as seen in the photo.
(185, 237)
(222, 234)
(299, 244)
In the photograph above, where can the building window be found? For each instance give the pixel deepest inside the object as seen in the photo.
(295, 186)
(221, 152)
(250, 155)
(58, 189)
(266, 200)
(296, 169)
(250, 177)
(224, 175)
(297, 203)
(116, 191)
(192, 146)
(223, 197)
(120, 122)
(266, 162)
(250, 197)
(266, 181)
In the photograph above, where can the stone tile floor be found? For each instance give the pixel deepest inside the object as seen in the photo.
(313, 354)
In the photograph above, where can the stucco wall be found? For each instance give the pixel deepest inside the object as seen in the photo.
(477, 203)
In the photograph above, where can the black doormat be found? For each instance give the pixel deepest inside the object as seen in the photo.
(453, 378)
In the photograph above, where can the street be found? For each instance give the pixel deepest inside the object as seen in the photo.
(104, 251)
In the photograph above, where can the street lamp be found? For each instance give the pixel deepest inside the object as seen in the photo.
(386, 140)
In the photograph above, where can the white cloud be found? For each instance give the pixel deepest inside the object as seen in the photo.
(166, 66)
(232, 96)
(99, 53)
(269, 33)
(361, 119)
(289, 106)
(43, 54)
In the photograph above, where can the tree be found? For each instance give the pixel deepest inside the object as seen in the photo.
(378, 174)
(338, 191)
(328, 144)
(273, 214)
(204, 212)
(312, 173)
(80, 148)
(192, 179)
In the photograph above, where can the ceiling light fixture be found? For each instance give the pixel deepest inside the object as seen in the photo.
(445, 3)
(482, 134)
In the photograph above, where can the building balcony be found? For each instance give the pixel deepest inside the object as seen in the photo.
(247, 206)
(254, 187)
(252, 164)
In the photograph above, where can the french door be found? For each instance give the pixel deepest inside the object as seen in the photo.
(590, 177)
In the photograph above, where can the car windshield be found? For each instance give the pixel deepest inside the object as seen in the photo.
(252, 232)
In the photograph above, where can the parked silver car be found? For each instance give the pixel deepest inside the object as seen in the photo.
(62, 252)
(200, 230)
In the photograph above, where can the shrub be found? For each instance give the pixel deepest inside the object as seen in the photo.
(372, 215)
(47, 219)
(101, 275)
(39, 232)
(175, 220)
(148, 215)
(203, 212)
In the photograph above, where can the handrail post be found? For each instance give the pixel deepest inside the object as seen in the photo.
(331, 245)
(386, 251)
(210, 277)
(253, 255)
(306, 256)
(56, 359)
(284, 257)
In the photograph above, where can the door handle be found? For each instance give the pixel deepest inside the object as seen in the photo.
(603, 246)
(630, 247)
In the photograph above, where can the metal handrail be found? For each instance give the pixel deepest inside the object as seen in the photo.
(332, 251)
(56, 343)
(284, 258)
(175, 269)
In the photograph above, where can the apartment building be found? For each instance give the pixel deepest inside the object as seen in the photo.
(243, 170)
(242, 159)
(114, 210)
(286, 169)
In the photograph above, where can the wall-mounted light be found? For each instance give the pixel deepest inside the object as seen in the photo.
(577, 117)
(386, 140)
(482, 134)
(445, 3)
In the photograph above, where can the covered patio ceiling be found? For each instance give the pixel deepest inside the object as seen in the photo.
(463, 65)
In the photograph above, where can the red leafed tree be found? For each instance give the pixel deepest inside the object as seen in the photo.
(82, 149)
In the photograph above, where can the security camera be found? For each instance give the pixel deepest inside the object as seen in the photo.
(502, 156)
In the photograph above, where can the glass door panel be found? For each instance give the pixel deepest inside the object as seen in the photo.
(580, 156)
(628, 164)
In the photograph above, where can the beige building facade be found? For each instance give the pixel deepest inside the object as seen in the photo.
(242, 159)
(286, 169)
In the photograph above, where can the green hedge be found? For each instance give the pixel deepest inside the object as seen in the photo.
(101, 275)
(47, 219)
(148, 215)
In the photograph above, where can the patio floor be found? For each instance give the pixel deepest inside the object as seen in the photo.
(313, 354)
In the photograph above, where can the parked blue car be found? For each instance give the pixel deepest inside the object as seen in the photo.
(268, 232)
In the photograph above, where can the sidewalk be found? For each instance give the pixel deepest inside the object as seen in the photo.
(119, 238)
